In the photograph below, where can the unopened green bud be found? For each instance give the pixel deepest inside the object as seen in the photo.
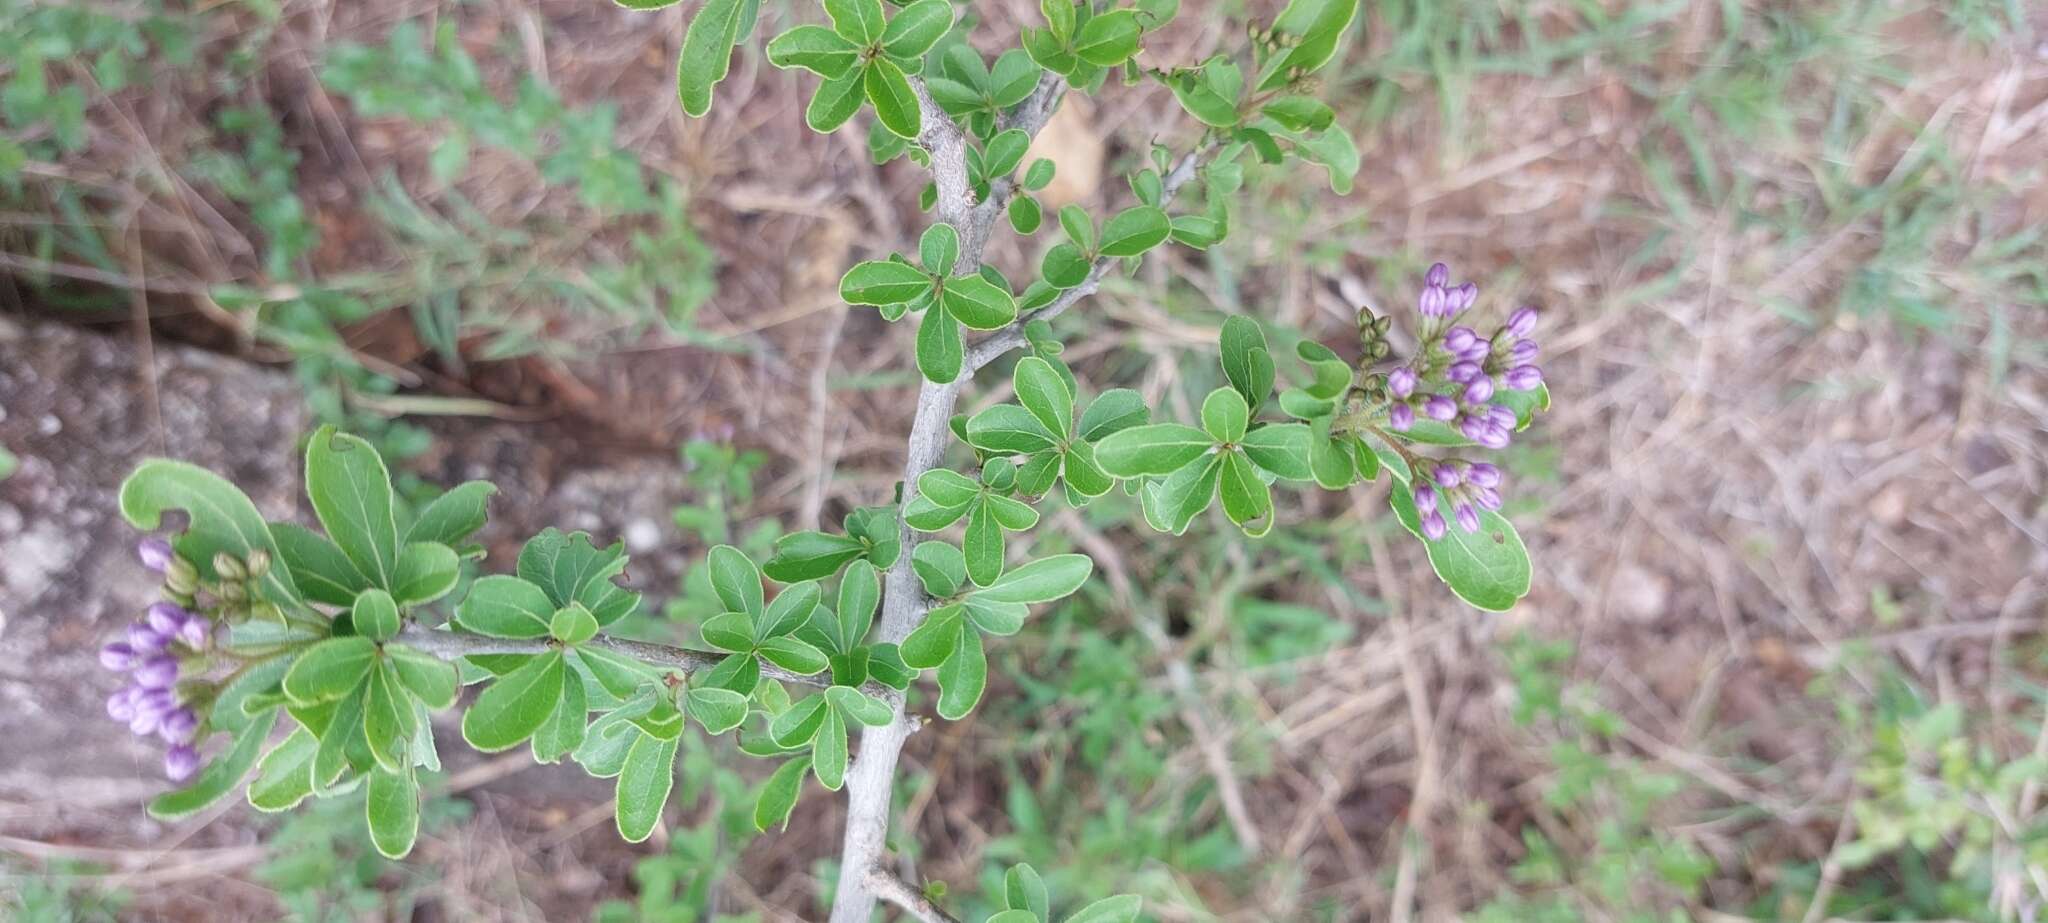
(183, 581)
(259, 562)
(233, 592)
(229, 567)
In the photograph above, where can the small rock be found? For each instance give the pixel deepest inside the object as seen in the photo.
(642, 535)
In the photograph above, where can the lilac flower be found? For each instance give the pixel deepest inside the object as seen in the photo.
(1501, 417)
(1459, 339)
(194, 633)
(1464, 372)
(121, 705)
(1494, 437)
(1483, 474)
(1479, 391)
(1522, 322)
(1461, 298)
(1468, 518)
(145, 640)
(155, 553)
(117, 655)
(1522, 353)
(179, 726)
(1401, 417)
(1473, 427)
(1447, 474)
(1440, 407)
(1524, 377)
(158, 672)
(1433, 526)
(145, 720)
(1487, 497)
(1424, 497)
(165, 618)
(1439, 275)
(1401, 382)
(180, 762)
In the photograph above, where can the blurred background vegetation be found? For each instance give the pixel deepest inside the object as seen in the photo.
(1784, 659)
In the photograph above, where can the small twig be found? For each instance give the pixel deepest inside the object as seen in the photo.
(899, 892)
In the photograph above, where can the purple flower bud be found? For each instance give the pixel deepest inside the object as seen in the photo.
(1438, 276)
(155, 553)
(121, 705)
(1460, 298)
(118, 655)
(1493, 437)
(1522, 322)
(1433, 526)
(1479, 391)
(1477, 352)
(1448, 475)
(1483, 474)
(1400, 417)
(1524, 377)
(144, 640)
(1522, 353)
(1458, 339)
(1487, 497)
(1401, 382)
(144, 721)
(180, 762)
(1468, 518)
(1464, 372)
(179, 726)
(1424, 497)
(194, 633)
(1501, 417)
(158, 672)
(165, 618)
(1431, 304)
(1441, 408)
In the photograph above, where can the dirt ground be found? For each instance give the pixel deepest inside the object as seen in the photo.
(1744, 490)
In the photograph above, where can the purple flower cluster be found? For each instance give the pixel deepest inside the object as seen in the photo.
(1454, 378)
(149, 655)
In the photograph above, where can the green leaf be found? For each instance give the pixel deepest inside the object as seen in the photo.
(1300, 113)
(895, 105)
(1225, 416)
(454, 515)
(996, 618)
(860, 591)
(947, 488)
(718, 710)
(1198, 231)
(388, 720)
(1246, 498)
(1059, 17)
(515, 706)
(221, 518)
(1108, 39)
(1025, 215)
(730, 631)
(735, 579)
(330, 669)
(779, 793)
(620, 675)
(1043, 580)
(707, 52)
(938, 248)
(644, 784)
(835, 102)
(646, 4)
(940, 567)
(1246, 362)
(799, 723)
(979, 303)
(1334, 149)
(940, 350)
(811, 556)
(566, 727)
(1113, 411)
(1210, 94)
(1153, 449)
(351, 493)
(883, 282)
(571, 568)
(1122, 908)
(1135, 230)
(1489, 568)
(828, 751)
(572, 624)
(426, 571)
(934, 640)
(1085, 477)
(963, 678)
(916, 28)
(1080, 229)
(1039, 174)
(1065, 266)
(859, 706)
(393, 811)
(813, 48)
(1024, 890)
(1331, 461)
(1009, 429)
(285, 776)
(504, 606)
(791, 608)
(794, 655)
(857, 21)
(1171, 504)
(982, 544)
(1317, 26)
(1045, 394)
(220, 776)
(317, 565)
(1279, 448)
(375, 615)
(434, 681)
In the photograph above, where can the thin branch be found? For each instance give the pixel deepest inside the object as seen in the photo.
(449, 644)
(899, 892)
